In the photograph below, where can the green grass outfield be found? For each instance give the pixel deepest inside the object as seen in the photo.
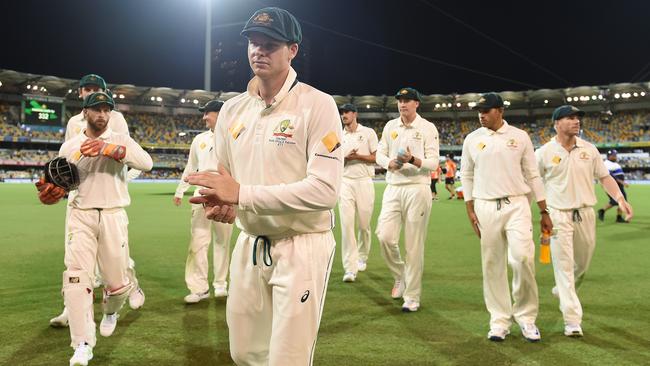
(361, 324)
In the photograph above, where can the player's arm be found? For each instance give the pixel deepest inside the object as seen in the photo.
(534, 180)
(467, 180)
(372, 147)
(135, 157)
(609, 184)
(431, 158)
(191, 167)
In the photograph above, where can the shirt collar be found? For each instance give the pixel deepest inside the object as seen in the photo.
(580, 143)
(104, 136)
(253, 88)
(502, 130)
(412, 124)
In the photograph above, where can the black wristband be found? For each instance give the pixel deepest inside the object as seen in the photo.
(412, 159)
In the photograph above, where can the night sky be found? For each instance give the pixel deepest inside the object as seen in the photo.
(358, 47)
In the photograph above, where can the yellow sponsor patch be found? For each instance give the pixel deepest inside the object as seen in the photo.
(202, 146)
(236, 130)
(76, 156)
(481, 146)
(331, 141)
(556, 160)
(393, 135)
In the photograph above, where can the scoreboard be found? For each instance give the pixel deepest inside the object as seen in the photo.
(42, 111)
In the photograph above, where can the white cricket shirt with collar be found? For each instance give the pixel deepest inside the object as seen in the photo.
(287, 157)
(569, 175)
(103, 179)
(499, 164)
(202, 158)
(421, 137)
(77, 123)
(364, 140)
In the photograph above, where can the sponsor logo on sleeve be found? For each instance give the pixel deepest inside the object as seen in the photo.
(236, 130)
(331, 141)
(480, 146)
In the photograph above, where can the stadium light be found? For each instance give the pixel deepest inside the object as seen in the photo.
(471, 104)
(545, 101)
(635, 94)
(195, 101)
(569, 99)
(458, 105)
(69, 91)
(121, 96)
(0, 84)
(159, 99)
(437, 105)
(593, 97)
(114, 95)
(29, 86)
(182, 100)
(506, 102)
(35, 87)
(181, 134)
(642, 93)
(448, 105)
(153, 99)
(600, 97)
(616, 96)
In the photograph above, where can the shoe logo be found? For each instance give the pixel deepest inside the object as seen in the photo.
(305, 296)
(74, 279)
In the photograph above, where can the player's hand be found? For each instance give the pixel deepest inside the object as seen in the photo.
(177, 201)
(225, 214)
(95, 147)
(48, 193)
(546, 224)
(352, 155)
(404, 155)
(220, 188)
(473, 220)
(395, 165)
(626, 208)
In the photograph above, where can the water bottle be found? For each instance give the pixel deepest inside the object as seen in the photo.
(545, 247)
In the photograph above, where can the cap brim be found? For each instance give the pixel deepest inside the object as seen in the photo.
(98, 103)
(266, 31)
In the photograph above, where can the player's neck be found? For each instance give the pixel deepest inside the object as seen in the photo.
(408, 119)
(269, 88)
(352, 126)
(567, 141)
(93, 133)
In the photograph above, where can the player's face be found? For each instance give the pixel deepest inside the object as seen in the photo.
(569, 125)
(86, 90)
(407, 107)
(97, 117)
(210, 119)
(348, 117)
(268, 57)
(490, 118)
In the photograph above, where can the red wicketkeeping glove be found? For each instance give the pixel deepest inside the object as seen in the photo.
(95, 147)
(48, 193)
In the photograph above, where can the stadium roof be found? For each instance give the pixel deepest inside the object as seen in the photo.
(13, 82)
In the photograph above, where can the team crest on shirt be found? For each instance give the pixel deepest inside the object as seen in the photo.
(393, 135)
(417, 135)
(556, 160)
(360, 138)
(512, 143)
(283, 133)
(481, 146)
(584, 155)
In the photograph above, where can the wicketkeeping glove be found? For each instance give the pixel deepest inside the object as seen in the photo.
(48, 193)
(95, 147)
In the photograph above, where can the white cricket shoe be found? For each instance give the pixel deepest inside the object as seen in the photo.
(220, 291)
(497, 334)
(410, 306)
(361, 265)
(194, 298)
(555, 292)
(573, 330)
(136, 299)
(82, 354)
(530, 332)
(398, 289)
(108, 324)
(60, 321)
(349, 277)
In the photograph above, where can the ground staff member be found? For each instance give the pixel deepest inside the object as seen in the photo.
(569, 165)
(204, 231)
(409, 151)
(279, 144)
(498, 170)
(357, 198)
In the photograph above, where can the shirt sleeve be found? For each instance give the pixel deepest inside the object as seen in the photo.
(319, 190)
(372, 141)
(539, 157)
(467, 171)
(530, 171)
(431, 150)
(191, 167)
(119, 124)
(600, 170)
(382, 158)
(136, 157)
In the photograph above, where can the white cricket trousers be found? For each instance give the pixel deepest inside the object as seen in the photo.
(204, 232)
(276, 300)
(94, 238)
(572, 247)
(507, 232)
(408, 204)
(356, 203)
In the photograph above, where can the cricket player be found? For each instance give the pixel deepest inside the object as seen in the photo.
(450, 175)
(203, 158)
(409, 150)
(357, 198)
(616, 171)
(569, 165)
(279, 146)
(89, 84)
(97, 233)
(498, 170)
